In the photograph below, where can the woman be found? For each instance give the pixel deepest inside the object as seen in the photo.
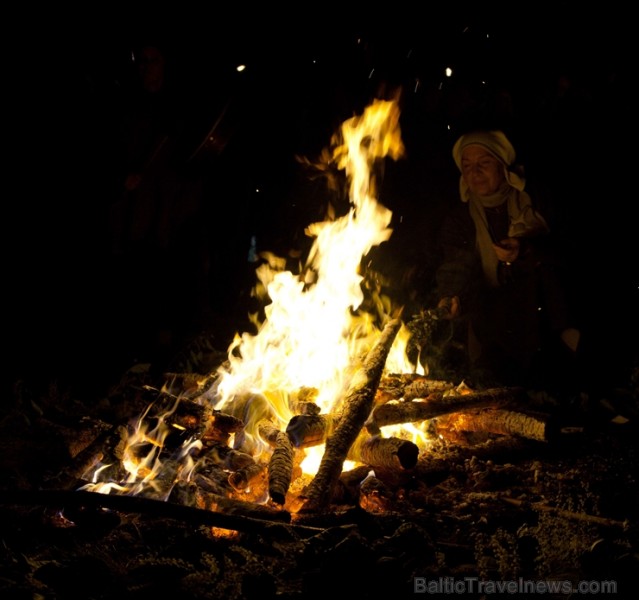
(499, 270)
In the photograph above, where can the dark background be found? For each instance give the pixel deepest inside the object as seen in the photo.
(559, 77)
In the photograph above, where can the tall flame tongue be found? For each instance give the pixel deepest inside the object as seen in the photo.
(311, 333)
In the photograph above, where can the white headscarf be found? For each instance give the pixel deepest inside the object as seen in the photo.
(524, 220)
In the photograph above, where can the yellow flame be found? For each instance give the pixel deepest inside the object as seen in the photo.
(312, 332)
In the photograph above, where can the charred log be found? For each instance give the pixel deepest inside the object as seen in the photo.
(309, 430)
(221, 426)
(357, 409)
(280, 467)
(226, 423)
(108, 447)
(188, 385)
(233, 506)
(232, 518)
(162, 485)
(423, 387)
(78, 437)
(501, 422)
(243, 478)
(385, 452)
(228, 458)
(392, 385)
(215, 485)
(409, 386)
(189, 416)
(567, 514)
(410, 412)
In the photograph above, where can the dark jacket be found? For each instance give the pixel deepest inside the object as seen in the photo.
(511, 323)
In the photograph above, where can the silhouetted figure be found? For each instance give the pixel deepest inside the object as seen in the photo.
(158, 233)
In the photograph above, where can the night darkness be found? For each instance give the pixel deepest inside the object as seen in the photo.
(304, 76)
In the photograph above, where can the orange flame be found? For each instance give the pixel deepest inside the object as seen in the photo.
(314, 329)
(312, 332)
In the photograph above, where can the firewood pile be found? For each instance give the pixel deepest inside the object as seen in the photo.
(505, 489)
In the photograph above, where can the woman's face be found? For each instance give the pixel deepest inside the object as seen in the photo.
(482, 172)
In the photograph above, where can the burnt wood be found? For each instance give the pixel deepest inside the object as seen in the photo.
(357, 409)
(409, 412)
(537, 427)
(385, 452)
(280, 467)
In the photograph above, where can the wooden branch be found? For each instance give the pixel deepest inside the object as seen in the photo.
(573, 516)
(135, 504)
(501, 422)
(358, 405)
(409, 412)
(233, 506)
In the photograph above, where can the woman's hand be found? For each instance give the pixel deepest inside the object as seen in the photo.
(507, 250)
(449, 307)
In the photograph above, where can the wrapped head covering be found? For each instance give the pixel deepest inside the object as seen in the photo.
(524, 220)
(500, 147)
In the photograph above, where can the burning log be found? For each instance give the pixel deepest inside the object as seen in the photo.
(391, 452)
(501, 422)
(280, 467)
(242, 478)
(216, 485)
(221, 426)
(408, 386)
(164, 481)
(422, 388)
(310, 430)
(409, 412)
(188, 415)
(391, 386)
(109, 444)
(226, 458)
(358, 405)
(244, 469)
(188, 385)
